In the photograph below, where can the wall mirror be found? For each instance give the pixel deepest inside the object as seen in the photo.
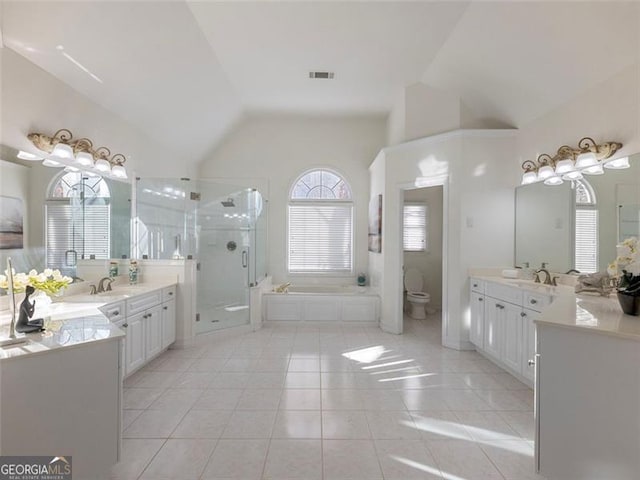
(52, 218)
(577, 224)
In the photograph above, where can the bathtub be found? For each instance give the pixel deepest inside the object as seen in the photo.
(322, 303)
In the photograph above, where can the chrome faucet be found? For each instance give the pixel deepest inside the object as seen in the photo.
(101, 287)
(547, 278)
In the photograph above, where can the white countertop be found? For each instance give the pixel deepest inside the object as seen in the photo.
(528, 285)
(594, 314)
(74, 320)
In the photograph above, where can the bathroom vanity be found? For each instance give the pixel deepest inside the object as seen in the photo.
(61, 392)
(587, 390)
(502, 316)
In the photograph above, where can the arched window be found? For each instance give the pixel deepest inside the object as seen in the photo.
(320, 224)
(586, 239)
(78, 220)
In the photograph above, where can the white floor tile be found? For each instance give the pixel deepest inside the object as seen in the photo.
(218, 399)
(237, 459)
(136, 455)
(202, 424)
(300, 399)
(298, 424)
(259, 399)
(294, 459)
(406, 460)
(463, 459)
(180, 460)
(392, 425)
(345, 424)
(250, 424)
(350, 459)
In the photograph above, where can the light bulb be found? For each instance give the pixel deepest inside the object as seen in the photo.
(47, 162)
(84, 158)
(554, 180)
(102, 165)
(62, 151)
(119, 171)
(594, 170)
(618, 163)
(564, 166)
(575, 175)
(545, 172)
(529, 177)
(586, 160)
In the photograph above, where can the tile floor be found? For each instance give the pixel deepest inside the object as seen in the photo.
(326, 402)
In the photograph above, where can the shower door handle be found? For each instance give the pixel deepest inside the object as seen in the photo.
(245, 257)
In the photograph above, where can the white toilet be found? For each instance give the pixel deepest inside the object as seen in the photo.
(415, 296)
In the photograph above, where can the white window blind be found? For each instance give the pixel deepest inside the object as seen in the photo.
(320, 238)
(415, 228)
(85, 233)
(586, 260)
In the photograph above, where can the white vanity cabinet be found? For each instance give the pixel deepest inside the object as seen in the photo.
(502, 324)
(149, 320)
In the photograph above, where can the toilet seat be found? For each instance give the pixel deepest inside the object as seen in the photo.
(415, 296)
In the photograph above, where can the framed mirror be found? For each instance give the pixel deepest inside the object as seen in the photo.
(577, 224)
(60, 216)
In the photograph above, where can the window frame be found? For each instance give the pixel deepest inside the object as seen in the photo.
(319, 201)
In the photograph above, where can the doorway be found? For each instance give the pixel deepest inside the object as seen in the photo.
(423, 247)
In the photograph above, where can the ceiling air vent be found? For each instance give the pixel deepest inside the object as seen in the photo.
(327, 75)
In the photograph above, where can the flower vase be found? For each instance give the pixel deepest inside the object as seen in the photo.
(630, 304)
(43, 300)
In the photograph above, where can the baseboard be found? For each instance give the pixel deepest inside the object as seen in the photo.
(317, 323)
(458, 345)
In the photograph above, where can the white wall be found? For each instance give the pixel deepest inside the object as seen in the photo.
(479, 206)
(35, 101)
(608, 112)
(270, 151)
(429, 262)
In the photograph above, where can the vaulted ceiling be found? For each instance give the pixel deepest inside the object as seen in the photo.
(184, 72)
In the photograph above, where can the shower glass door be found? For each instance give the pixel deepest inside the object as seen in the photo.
(226, 224)
(222, 227)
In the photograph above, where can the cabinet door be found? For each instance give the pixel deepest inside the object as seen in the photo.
(528, 342)
(477, 320)
(493, 316)
(135, 343)
(168, 323)
(153, 319)
(512, 337)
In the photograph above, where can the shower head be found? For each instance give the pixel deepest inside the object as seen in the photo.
(228, 202)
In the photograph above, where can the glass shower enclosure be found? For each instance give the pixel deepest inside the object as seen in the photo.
(222, 227)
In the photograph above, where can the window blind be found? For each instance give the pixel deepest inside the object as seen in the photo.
(86, 233)
(320, 238)
(414, 237)
(586, 256)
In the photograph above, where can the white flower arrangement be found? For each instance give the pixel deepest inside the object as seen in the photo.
(626, 267)
(49, 281)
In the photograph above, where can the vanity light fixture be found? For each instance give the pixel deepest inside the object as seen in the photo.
(588, 158)
(61, 150)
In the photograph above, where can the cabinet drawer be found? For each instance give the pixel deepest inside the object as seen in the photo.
(168, 293)
(477, 286)
(143, 302)
(114, 311)
(504, 293)
(536, 301)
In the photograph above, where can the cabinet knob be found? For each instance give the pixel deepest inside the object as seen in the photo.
(116, 313)
(522, 314)
(475, 285)
(165, 308)
(170, 293)
(125, 325)
(499, 306)
(531, 362)
(533, 301)
(480, 299)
